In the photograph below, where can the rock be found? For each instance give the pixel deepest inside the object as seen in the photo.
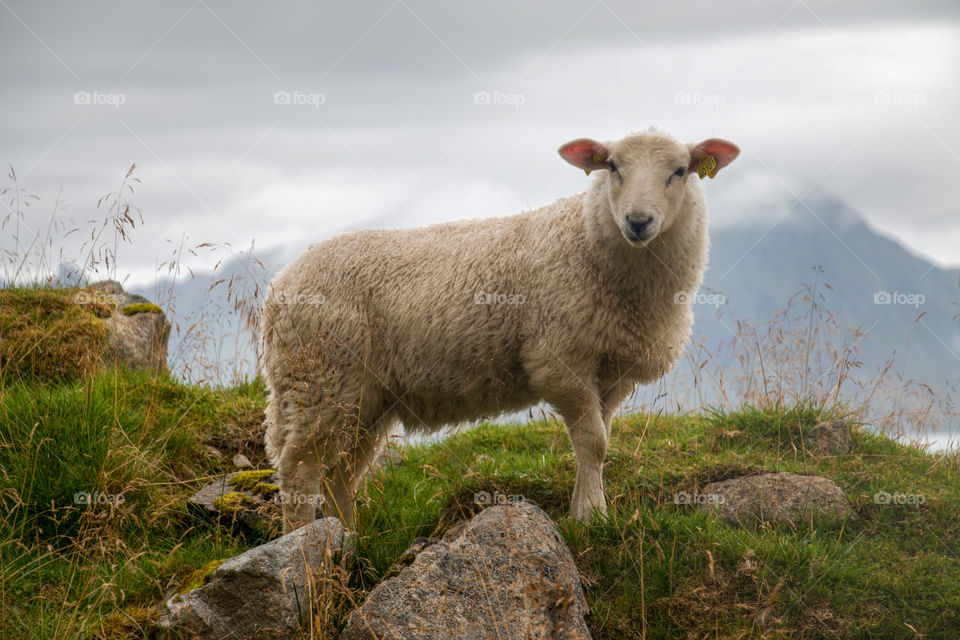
(418, 545)
(508, 575)
(775, 497)
(830, 438)
(137, 330)
(213, 452)
(455, 530)
(262, 592)
(389, 457)
(241, 461)
(247, 497)
(483, 458)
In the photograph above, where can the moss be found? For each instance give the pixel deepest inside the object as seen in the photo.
(49, 334)
(266, 489)
(255, 482)
(199, 577)
(126, 623)
(141, 307)
(233, 501)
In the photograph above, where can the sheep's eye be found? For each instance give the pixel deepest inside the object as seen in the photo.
(679, 173)
(616, 172)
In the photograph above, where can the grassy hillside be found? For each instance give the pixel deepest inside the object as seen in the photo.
(139, 446)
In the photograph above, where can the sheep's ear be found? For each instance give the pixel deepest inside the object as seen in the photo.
(709, 156)
(586, 154)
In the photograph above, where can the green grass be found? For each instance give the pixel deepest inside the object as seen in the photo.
(670, 571)
(135, 447)
(45, 335)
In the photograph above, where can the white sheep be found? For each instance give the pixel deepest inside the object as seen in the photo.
(574, 303)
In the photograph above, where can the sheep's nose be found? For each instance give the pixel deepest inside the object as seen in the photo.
(639, 224)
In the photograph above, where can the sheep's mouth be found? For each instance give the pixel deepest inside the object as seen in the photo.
(634, 239)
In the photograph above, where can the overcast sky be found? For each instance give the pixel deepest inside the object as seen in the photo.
(288, 122)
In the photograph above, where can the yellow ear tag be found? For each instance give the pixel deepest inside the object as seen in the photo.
(707, 167)
(597, 159)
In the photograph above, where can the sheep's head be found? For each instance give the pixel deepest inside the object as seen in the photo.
(646, 176)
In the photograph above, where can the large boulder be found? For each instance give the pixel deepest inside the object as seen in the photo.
(776, 497)
(264, 592)
(507, 575)
(137, 329)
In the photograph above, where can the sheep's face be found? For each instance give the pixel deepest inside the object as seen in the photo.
(645, 177)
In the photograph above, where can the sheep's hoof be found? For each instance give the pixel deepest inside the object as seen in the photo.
(589, 511)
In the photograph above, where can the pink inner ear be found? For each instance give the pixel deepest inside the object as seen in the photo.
(724, 151)
(586, 154)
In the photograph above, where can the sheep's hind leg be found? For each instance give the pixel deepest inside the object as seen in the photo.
(613, 391)
(300, 479)
(341, 485)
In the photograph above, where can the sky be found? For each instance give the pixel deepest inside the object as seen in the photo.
(281, 124)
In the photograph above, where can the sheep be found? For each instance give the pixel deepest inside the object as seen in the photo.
(574, 303)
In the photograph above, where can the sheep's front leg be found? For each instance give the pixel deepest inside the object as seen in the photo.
(588, 435)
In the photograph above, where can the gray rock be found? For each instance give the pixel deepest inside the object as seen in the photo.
(107, 287)
(213, 452)
(389, 457)
(830, 438)
(455, 530)
(137, 341)
(508, 575)
(777, 497)
(259, 512)
(418, 545)
(241, 461)
(263, 592)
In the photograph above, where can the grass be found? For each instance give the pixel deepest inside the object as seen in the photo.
(651, 569)
(45, 336)
(95, 476)
(659, 570)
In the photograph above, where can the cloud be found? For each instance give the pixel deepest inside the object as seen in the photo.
(403, 113)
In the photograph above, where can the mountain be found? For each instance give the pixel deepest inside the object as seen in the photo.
(906, 304)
